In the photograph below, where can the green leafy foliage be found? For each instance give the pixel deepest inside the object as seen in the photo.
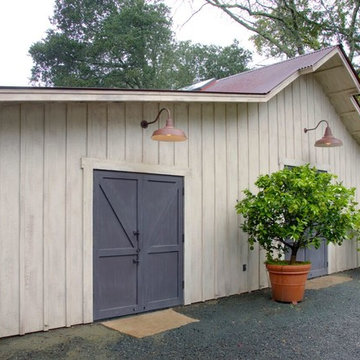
(296, 208)
(105, 44)
(197, 62)
(124, 44)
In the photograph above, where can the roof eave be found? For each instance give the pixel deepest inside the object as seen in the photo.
(13, 94)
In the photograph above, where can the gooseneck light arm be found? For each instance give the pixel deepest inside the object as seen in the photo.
(325, 121)
(144, 124)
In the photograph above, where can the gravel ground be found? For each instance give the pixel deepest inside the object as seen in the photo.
(249, 326)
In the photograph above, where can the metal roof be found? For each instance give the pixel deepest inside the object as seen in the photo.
(265, 79)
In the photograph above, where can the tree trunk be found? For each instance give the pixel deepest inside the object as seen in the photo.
(294, 251)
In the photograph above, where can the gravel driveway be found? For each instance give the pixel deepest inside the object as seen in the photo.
(249, 326)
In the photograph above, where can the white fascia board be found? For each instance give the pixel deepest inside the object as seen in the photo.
(345, 63)
(312, 69)
(351, 73)
(356, 104)
(86, 95)
(282, 85)
(326, 58)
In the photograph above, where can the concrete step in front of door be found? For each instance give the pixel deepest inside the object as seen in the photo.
(149, 324)
(326, 281)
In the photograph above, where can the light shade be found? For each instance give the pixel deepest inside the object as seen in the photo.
(168, 133)
(328, 140)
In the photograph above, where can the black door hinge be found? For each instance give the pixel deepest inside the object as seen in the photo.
(183, 191)
(183, 238)
(182, 284)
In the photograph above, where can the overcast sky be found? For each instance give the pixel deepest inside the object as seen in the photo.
(23, 22)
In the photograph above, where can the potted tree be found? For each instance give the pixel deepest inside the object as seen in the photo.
(293, 209)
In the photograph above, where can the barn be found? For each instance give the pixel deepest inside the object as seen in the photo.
(97, 220)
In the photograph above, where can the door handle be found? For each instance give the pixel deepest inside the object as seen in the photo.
(136, 261)
(136, 232)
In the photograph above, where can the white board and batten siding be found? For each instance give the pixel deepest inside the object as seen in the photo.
(45, 214)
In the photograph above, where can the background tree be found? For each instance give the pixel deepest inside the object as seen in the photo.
(105, 43)
(292, 27)
(197, 62)
(125, 44)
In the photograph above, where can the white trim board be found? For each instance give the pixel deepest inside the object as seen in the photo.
(94, 95)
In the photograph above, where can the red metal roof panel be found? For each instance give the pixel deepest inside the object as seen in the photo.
(263, 80)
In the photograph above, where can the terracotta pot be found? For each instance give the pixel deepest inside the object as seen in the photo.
(288, 281)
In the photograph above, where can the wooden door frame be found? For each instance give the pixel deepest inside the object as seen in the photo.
(89, 165)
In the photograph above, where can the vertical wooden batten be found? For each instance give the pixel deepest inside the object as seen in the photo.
(87, 305)
(116, 131)
(311, 118)
(254, 159)
(11, 255)
(208, 201)
(273, 153)
(232, 243)
(281, 140)
(76, 148)
(243, 182)
(181, 121)
(298, 129)
(304, 120)
(54, 215)
(32, 147)
(263, 169)
(194, 240)
(166, 149)
(181, 160)
(220, 194)
(150, 152)
(134, 143)
(289, 122)
(97, 134)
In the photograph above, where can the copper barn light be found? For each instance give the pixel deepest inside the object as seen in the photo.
(328, 140)
(168, 132)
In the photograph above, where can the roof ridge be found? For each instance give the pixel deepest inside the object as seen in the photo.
(279, 62)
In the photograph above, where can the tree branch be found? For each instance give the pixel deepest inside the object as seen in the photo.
(284, 49)
(193, 14)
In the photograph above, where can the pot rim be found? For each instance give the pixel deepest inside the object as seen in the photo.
(294, 267)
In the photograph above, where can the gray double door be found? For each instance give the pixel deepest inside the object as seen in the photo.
(317, 257)
(138, 242)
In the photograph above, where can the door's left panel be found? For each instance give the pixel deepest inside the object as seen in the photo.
(115, 244)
